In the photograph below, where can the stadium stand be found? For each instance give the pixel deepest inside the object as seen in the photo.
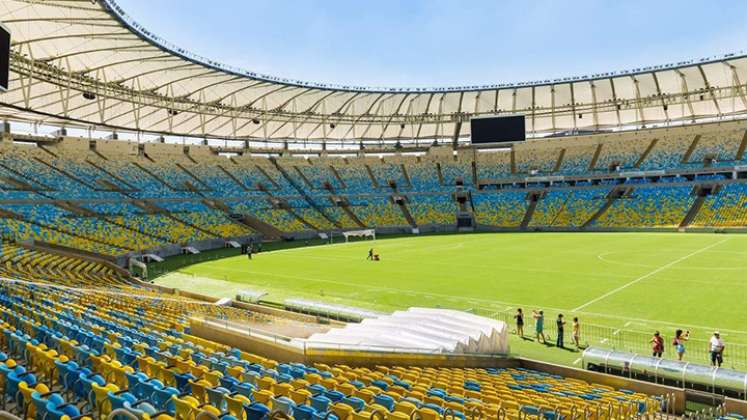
(504, 209)
(726, 208)
(122, 201)
(26, 263)
(493, 165)
(623, 155)
(216, 156)
(580, 207)
(377, 211)
(549, 208)
(577, 159)
(135, 352)
(424, 176)
(536, 159)
(433, 209)
(649, 207)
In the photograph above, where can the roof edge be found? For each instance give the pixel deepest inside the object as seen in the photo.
(114, 9)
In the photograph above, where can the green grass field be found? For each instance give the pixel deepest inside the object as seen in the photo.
(627, 284)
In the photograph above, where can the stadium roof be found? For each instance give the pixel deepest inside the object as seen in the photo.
(87, 63)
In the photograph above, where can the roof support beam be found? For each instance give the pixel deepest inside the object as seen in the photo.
(710, 90)
(664, 105)
(614, 100)
(740, 89)
(686, 93)
(594, 106)
(638, 101)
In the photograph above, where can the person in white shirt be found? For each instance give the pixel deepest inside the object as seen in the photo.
(717, 349)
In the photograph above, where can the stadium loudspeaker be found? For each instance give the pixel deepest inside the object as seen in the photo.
(332, 126)
(255, 121)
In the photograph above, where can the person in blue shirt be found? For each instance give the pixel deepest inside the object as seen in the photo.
(539, 325)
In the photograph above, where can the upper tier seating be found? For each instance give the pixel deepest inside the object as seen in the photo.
(577, 159)
(667, 153)
(623, 154)
(456, 171)
(424, 177)
(495, 165)
(663, 206)
(319, 176)
(386, 172)
(538, 158)
(356, 179)
(722, 147)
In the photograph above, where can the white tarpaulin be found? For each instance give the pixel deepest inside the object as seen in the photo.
(420, 329)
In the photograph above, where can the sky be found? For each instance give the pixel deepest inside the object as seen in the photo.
(439, 43)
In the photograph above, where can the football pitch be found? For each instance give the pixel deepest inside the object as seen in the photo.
(622, 286)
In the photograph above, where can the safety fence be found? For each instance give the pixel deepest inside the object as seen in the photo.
(696, 350)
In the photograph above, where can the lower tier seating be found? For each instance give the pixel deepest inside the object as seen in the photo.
(69, 353)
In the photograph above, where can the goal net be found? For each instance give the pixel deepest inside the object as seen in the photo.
(365, 233)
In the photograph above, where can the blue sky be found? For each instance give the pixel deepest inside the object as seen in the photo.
(422, 43)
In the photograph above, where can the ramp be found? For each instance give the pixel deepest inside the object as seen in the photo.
(691, 149)
(407, 214)
(646, 153)
(598, 213)
(693, 211)
(742, 146)
(528, 215)
(595, 158)
(268, 231)
(353, 217)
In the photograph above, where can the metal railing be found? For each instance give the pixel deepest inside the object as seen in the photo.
(697, 350)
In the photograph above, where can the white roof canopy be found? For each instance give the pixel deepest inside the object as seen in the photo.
(135, 81)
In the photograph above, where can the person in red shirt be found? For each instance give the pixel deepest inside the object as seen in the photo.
(657, 344)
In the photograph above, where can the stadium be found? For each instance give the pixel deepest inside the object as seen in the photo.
(187, 240)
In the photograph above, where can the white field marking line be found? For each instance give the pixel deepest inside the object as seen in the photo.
(601, 257)
(493, 301)
(575, 362)
(645, 276)
(384, 288)
(452, 264)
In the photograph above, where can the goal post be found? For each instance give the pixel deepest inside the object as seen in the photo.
(365, 233)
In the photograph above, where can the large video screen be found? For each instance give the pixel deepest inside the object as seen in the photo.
(4, 58)
(498, 129)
